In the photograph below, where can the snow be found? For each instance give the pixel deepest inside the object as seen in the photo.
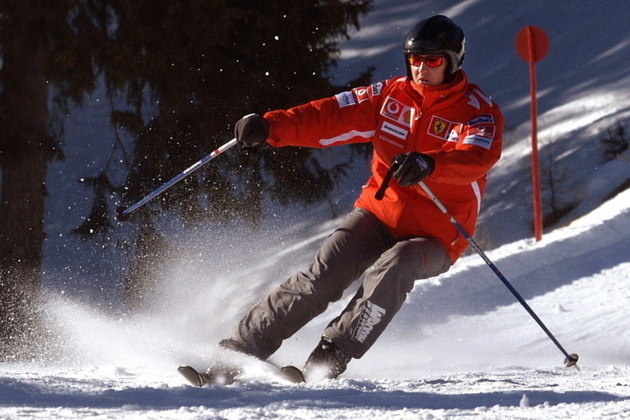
(462, 346)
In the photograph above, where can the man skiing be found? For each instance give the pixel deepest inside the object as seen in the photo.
(435, 127)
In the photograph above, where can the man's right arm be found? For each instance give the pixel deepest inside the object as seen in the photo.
(348, 117)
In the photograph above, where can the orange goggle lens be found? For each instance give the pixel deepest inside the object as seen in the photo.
(417, 60)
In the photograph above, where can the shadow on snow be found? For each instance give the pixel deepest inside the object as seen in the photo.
(13, 392)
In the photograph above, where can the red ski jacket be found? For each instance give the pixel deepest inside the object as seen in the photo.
(457, 124)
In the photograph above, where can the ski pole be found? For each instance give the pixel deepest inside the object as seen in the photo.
(570, 359)
(122, 213)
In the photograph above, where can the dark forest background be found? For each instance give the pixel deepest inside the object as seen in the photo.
(177, 76)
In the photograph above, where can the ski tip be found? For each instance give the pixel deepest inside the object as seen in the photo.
(227, 375)
(292, 374)
(191, 375)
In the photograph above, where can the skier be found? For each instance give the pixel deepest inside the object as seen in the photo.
(437, 128)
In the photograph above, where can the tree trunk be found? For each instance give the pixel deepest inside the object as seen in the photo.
(24, 153)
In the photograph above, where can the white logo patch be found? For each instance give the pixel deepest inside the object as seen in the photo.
(481, 119)
(484, 142)
(394, 130)
(453, 137)
(397, 111)
(377, 88)
(345, 99)
(370, 316)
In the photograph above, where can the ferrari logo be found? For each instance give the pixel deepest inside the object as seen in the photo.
(438, 127)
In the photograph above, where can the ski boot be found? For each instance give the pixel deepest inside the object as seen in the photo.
(327, 361)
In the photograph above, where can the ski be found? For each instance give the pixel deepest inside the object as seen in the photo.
(226, 375)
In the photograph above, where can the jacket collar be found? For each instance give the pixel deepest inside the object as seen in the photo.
(444, 94)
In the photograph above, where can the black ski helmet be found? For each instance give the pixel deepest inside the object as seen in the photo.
(436, 35)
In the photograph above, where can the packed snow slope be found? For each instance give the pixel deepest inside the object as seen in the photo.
(461, 346)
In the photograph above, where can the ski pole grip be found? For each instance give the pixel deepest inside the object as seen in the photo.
(381, 191)
(388, 178)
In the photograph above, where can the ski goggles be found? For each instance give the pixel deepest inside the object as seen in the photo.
(430, 61)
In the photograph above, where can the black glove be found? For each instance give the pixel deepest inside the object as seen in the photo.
(251, 130)
(410, 168)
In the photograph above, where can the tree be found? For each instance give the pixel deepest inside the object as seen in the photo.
(199, 65)
(39, 50)
(203, 65)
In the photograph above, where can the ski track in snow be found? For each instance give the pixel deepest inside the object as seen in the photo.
(505, 393)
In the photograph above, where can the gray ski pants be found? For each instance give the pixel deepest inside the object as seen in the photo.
(361, 242)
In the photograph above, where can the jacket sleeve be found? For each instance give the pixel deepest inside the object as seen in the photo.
(478, 148)
(348, 117)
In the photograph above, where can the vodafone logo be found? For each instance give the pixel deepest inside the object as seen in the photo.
(393, 108)
(397, 111)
